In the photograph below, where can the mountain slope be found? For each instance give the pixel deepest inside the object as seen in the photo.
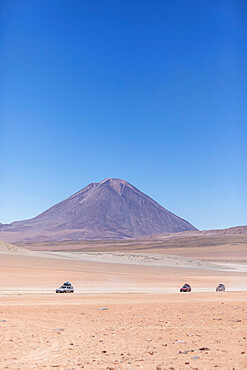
(111, 209)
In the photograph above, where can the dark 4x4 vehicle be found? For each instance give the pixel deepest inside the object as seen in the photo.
(185, 288)
(220, 288)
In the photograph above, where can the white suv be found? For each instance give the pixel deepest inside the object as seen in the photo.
(65, 288)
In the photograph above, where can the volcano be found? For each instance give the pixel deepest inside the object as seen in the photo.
(110, 209)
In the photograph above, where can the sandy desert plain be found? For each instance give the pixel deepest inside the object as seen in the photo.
(126, 312)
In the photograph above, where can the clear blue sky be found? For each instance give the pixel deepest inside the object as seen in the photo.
(153, 92)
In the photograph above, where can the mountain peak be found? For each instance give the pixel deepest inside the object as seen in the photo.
(117, 184)
(110, 209)
(114, 181)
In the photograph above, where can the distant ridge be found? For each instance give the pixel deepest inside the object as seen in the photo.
(236, 230)
(110, 209)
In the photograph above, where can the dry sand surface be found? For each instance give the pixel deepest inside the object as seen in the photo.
(29, 274)
(196, 331)
(146, 324)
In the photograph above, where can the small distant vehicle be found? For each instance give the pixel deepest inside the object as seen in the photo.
(65, 288)
(185, 288)
(220, 288)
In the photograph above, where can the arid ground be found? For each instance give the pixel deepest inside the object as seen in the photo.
(126, 312)
(231, 247)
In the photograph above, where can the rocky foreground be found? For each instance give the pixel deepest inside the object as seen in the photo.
(199, 331)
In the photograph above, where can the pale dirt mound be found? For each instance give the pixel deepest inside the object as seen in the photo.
(7, 248)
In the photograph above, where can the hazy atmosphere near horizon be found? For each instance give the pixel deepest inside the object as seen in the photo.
(152, 92)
